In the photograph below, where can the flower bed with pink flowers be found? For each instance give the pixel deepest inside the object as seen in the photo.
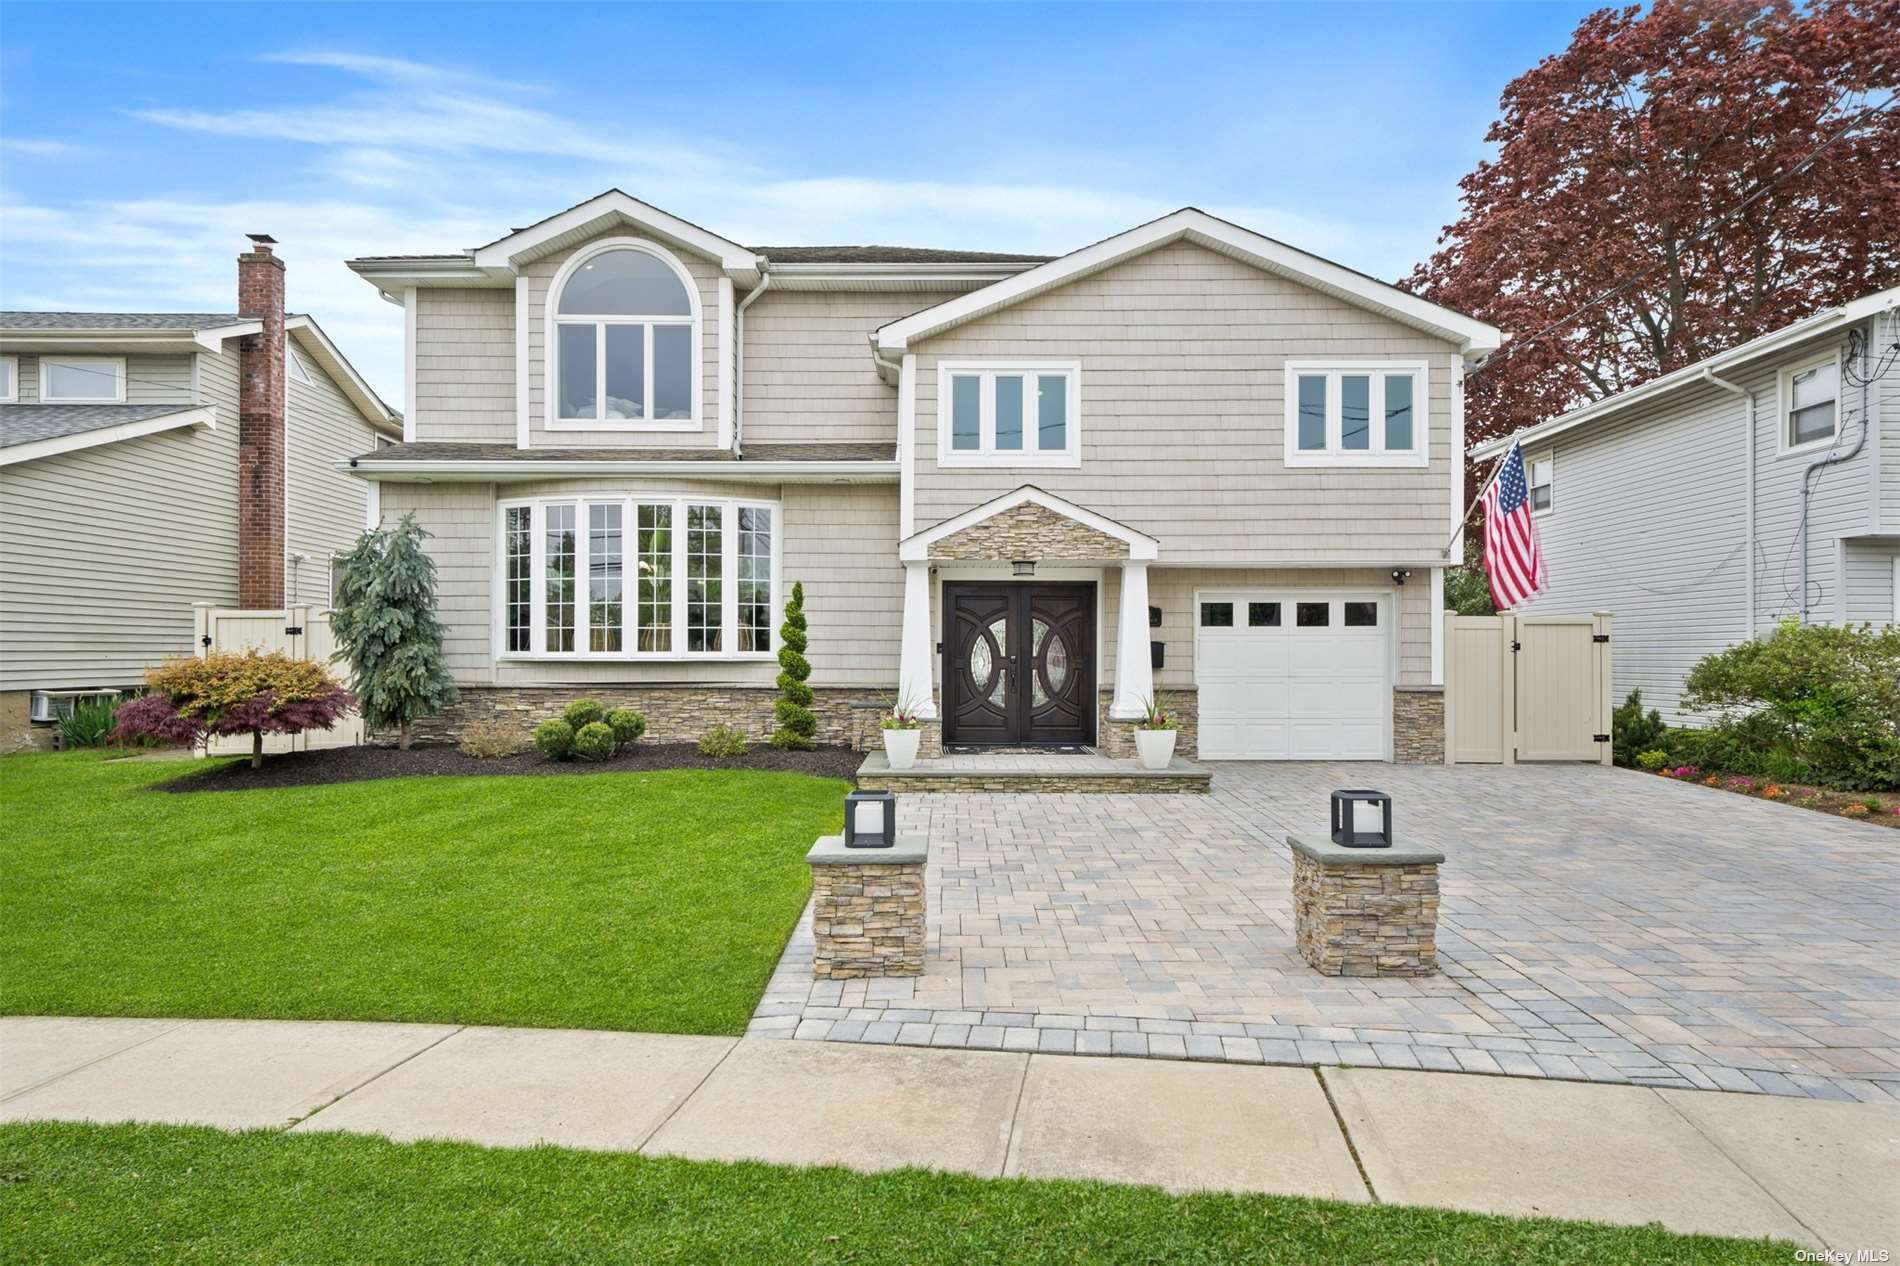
(1882, 809)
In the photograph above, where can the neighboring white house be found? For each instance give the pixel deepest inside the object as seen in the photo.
(1702, 507)
(149, 461)
(1023, 493)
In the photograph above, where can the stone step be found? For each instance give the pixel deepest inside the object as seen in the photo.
(1016, 772)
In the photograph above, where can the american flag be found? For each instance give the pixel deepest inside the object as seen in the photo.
(1512, 560)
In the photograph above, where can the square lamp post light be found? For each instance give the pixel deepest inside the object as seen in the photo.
(1362, 819)
(870, 819)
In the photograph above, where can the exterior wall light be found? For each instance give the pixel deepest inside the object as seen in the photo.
(870, 819)
(1023, 566)
(1355, 814)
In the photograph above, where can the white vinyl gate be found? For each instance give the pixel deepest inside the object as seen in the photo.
(1527, 688)
(303, 632)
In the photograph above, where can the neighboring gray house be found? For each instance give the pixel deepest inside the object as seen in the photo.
(1023, 493)
(1704, 506)
(149, 461)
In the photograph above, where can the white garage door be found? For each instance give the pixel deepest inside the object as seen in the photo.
(1293, 676)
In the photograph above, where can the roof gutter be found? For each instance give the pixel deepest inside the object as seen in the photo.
(1748, 496)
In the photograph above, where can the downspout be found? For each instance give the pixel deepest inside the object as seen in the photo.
(738, 357)
(1832, 459)
(1748, 500)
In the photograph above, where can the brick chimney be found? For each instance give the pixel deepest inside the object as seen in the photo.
(261, 423)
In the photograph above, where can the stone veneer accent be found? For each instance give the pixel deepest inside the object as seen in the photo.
(1418, 725)
(1028, 531)
(1357, 916)
(675, 714)
(1117, 738)
(867, 909)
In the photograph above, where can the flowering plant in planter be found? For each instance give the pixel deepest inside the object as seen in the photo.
(1156, 716)
(903, 734)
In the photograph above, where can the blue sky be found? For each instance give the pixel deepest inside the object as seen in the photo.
(139, 143)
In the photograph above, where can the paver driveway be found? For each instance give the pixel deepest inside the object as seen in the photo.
(1596, 924)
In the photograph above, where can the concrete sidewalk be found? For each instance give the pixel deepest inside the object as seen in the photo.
(1821, 1173)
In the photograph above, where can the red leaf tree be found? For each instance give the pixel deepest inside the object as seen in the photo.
(1620, 158)
(228, 693)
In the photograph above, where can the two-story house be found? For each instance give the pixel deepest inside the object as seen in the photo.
(150, 461)
(1022, 494)
(1758, 485)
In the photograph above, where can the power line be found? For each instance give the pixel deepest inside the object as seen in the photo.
(1695, 240)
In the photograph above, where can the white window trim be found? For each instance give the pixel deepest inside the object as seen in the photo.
(12, 393)
(1335, 455)
(629, 578)
(986, 453)
(89, 361)
(1784, 404)
(1530, 465)
(551, 352)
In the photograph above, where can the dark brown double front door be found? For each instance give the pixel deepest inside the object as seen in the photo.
(1019, 663)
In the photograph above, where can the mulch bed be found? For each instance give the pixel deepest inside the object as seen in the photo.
(1842, 804)
(361, 764)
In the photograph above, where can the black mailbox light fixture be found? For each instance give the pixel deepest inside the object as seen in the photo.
(870, 819)
(1354, 816)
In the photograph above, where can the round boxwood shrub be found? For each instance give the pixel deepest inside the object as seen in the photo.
(627, 725)
(595, 741)
(583, 712)
(554, 739)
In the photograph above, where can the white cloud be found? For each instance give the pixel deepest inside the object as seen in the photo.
(414, 157)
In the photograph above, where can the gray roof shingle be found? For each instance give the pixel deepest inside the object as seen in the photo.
(117, 320)
(25, 423)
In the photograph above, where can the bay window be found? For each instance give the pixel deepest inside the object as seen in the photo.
(1358, 414)
(707, 590)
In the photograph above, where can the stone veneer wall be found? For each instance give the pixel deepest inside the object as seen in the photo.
(867, 921)
(1418, 725)
(1029, 531)
(1366, 920)
(675, 714)
(1117, 738)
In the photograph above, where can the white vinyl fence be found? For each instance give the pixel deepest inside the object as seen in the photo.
(1527, 688)
(303, 632)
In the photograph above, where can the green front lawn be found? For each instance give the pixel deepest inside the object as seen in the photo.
(657, 902)
(87, 1193)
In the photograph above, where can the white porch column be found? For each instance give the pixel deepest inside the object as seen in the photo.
(913, 670)
(1134, 671)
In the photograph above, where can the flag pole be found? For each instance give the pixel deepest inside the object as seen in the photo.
(1459, 526)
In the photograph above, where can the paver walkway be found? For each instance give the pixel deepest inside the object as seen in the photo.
(1821, 1173)
(1596, 925)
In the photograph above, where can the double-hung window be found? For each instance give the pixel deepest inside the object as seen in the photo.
(1542, 489)
(623, 337)
(82, 380)
(1810, 402)
(1370, 413)
(1018, 414)
(637, 577)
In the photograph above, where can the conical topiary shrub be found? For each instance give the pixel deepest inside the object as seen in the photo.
(797, 723)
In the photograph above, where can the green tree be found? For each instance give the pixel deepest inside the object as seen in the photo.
(387, 631)
(797, 723)
(1467, 588)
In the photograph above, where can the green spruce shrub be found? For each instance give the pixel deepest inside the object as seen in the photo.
(1633, 731)
(554, 739)
(386, 628)
(584, 712)
(797, 723)
(627, 725)
(595, 741)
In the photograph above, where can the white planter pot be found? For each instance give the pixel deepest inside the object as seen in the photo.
(1155, 748)
(901, 747)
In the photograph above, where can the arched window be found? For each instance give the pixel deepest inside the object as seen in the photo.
(624, 339)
